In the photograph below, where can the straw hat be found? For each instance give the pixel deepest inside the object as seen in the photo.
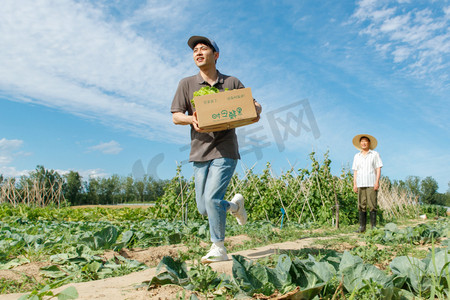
(357, 138)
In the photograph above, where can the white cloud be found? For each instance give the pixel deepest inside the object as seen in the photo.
(8, 150)
(417, 40)
(71, 56)
(383, 48)
(93, 173)
(111, 147)
(365, 10)
(447, 11)
(12, 172)
(156, 12)
(383, 13)
(85, 174)
(9, 145)
(401, 54)
(394, 23)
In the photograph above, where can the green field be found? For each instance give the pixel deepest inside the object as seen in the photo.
(70, 244)
(46, 241)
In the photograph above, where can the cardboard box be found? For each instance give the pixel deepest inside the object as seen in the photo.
(225, 110)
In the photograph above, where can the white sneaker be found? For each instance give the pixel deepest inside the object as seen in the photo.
(241, 213)
(216, 253)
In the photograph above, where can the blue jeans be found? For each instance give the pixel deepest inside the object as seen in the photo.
(211, 182)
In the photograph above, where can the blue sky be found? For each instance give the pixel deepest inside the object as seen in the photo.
(87, 85)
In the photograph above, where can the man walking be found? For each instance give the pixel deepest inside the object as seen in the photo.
(214, 154)
(366, 178)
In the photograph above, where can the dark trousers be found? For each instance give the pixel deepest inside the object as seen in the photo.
(367, 199)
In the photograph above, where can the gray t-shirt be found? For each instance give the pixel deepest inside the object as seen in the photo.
(210, 145)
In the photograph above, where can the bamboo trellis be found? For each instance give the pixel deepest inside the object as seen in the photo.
(34, 194)
(395, 202)
(304, 187)
(297, 205)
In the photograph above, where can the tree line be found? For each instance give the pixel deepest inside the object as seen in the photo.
(426, 190)
(72, 188)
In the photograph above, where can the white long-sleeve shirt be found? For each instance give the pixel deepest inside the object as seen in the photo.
(365, 167)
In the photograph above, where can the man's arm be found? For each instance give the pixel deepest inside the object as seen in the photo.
(179, 118)
(376, 186)
(355, 173)
(378, 166)
(355, 186)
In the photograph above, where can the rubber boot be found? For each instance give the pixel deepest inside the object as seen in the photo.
(362, 222)
(373, 218)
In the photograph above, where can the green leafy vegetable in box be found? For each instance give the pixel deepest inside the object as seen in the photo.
(206, 90)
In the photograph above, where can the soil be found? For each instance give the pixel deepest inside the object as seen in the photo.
(151, 256)
(27, 270)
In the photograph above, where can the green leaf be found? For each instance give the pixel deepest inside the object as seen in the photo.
(14, 263)
(46, 291)
(102, 239)
(391, 227)
(307, 294)
(206, 90)
(127, 236)
(53, 272)
(174, 238)
(437, 262)
(240, 273)
(108, 235)
(255, 278)
(411, 269)
(301, 274)
(29, 297)
(92, 267)
(324, 271)
(355, 272)
(83, 250)
(60, 258)
(282, 278)
(69, 293)
(175, 272)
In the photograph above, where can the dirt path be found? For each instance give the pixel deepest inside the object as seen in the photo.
(124, 287)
